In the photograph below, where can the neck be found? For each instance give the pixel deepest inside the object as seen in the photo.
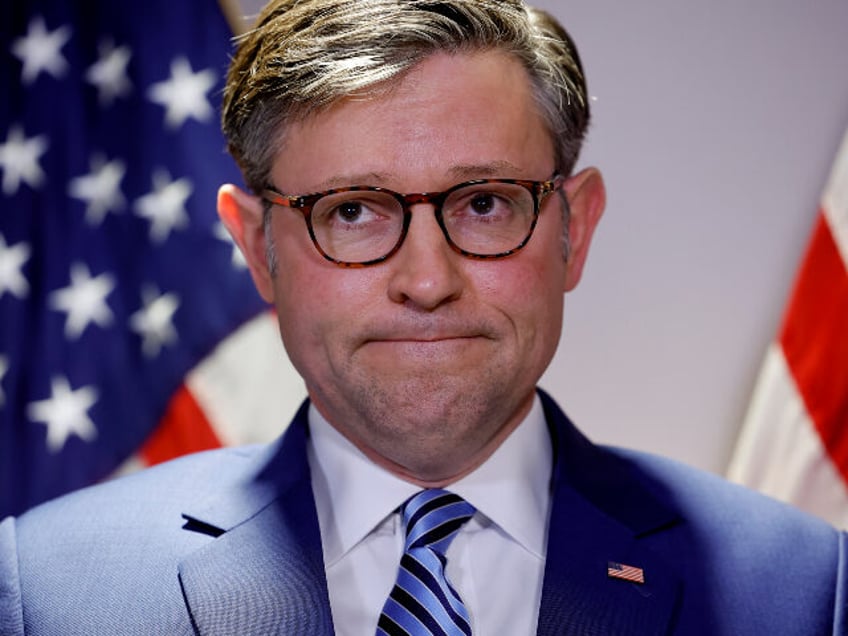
(444, 466)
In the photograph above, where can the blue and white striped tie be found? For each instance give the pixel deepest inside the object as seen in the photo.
(422, 602)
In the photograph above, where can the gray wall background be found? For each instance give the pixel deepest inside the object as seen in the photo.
(715, 125)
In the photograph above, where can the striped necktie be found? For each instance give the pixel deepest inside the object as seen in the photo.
(422, 602)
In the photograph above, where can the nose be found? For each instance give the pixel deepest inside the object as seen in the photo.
(426, 271)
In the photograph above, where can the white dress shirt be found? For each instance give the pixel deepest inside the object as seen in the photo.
(496, 562)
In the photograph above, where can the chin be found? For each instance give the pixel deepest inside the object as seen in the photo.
(435, 407)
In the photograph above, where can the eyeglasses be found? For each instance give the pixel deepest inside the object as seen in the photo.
(358, 226)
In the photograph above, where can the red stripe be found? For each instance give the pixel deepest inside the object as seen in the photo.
(814, 338)
(184, 429)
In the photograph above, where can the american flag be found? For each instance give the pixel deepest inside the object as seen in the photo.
(625, 572)
(116, 277)
(794, 442)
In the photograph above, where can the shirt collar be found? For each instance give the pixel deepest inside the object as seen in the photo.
(512, 487)
(353, 495)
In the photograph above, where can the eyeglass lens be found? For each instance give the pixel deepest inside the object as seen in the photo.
(483, 219)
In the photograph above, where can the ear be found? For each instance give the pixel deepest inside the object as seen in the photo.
(586, 199)
(241, 214)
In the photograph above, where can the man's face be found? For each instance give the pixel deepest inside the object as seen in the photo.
(428, 360)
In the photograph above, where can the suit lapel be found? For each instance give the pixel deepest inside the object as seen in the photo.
(265, 571)
(264, 574)
(600, 514)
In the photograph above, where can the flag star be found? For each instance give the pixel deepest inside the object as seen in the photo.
(40, 50)
(65, 413)
(84, 300)
(4, 367)
(19, 160)
(164, 207)
(109, 73)
(184, 94)
(153, 322)
(100, 189)
(12, 259)
(223, 234)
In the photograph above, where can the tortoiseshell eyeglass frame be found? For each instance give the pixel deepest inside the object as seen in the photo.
(305, 202)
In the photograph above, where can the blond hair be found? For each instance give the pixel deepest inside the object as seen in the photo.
(303, 55)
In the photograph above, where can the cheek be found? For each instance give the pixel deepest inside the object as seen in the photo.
(302, 283)
(534, 277)
(529, 294)
(541, 303)
(318, 303)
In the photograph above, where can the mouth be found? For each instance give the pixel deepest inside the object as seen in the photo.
(422, 347)
(418, 337)
(419, 340)
(457, 341)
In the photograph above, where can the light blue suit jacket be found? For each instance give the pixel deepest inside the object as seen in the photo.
(227, 543)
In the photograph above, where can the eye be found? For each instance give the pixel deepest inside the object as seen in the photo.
(355, 210)
(478, 204)
(350, 211)
(482, 203)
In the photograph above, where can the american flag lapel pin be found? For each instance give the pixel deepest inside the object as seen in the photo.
(625, 572)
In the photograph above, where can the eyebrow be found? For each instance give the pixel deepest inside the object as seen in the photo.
(461, 172)
(345, 180)
(465, 172)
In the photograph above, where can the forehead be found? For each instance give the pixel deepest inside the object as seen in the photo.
(469, 115)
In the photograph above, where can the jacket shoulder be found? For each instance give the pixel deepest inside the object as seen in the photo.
(745, 563)
(119, 542)
(152, 492)
(751, 564)
(715, 504)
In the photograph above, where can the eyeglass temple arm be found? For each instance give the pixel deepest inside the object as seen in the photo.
(276, 198)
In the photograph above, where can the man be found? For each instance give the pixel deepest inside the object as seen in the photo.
(414, 217)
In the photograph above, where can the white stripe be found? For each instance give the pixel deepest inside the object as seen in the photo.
(247, 387)
(779, 451)
(835, 201)
(133, 464)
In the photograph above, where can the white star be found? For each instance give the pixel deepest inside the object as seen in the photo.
(100, 189)
(164, 207)
(109, 72)
(4, 367)
(153, 322)
(41, 51)
(223, 234)
(19, 160)
(84, 300)
(12, 259)
(65, 413)
(184, 94)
